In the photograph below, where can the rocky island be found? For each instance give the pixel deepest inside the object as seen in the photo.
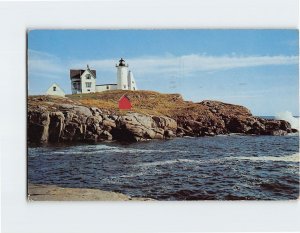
(96, 117)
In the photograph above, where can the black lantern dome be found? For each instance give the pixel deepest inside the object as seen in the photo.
(122, 62)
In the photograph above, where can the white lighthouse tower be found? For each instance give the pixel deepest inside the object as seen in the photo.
(122, 75)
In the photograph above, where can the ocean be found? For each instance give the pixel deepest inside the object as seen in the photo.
(232, 167)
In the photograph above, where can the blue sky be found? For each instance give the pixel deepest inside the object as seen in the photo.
(254, 68)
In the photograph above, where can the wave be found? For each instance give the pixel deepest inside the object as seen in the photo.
(90, 150)
(288, 116)
(285, 158)
(293, 134)
(166, 162)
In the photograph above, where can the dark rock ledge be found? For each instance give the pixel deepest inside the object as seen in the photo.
(51, 123)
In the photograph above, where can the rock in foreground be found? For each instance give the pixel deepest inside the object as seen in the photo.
(55, 193)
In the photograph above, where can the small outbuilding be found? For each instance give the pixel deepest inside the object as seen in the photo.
(124, 103)
(55, 89)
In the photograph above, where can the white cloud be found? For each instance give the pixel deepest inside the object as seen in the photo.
(189, 64)
(46, 65)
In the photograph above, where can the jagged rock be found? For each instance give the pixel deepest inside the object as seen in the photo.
(83, 110)
(158, 136)
(56, 126)
(278, 132)
(96, 111)
(237, 125)
(66, 106)
(294, 130)
(113, 117)
(105, 135)
(93, 120)
(45, 123)
(38, 125)
(169, 134)
(109, 122)
(165, 122)
(90, 137)
(210, 134)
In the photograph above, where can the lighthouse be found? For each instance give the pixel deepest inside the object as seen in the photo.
(122, 75)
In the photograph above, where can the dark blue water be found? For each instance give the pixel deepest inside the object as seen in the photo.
(219, 168)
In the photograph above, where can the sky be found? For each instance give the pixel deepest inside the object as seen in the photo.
(254, 68)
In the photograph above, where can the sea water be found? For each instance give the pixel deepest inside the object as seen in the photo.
(219, 168)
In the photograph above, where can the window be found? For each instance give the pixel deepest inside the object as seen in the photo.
(132, 81)
(88, 90)
(107, 87)
(88, 84)
(88, 76)
(54, 88)
(124, 86)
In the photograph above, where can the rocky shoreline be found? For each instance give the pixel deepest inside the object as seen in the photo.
(38, 192)
(50, 120)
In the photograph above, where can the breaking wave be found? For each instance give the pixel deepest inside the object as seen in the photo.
(288, 116)
(167, 162)
(91, 150)
(285, 158)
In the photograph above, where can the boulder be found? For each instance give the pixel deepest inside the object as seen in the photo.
(83, 110)
(109, 122)
(164, 122)
(138, 127)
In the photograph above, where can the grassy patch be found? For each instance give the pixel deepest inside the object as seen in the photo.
(146, 102)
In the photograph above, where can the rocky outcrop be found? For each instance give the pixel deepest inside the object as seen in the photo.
(78, 123)
(222, 118)
(50, 122)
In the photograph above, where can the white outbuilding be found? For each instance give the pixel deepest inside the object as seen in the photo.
(55, 89)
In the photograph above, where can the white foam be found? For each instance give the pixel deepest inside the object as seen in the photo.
(288, 116)
(159, 163)
(90, 150)
(100, 148)
(285, 158)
